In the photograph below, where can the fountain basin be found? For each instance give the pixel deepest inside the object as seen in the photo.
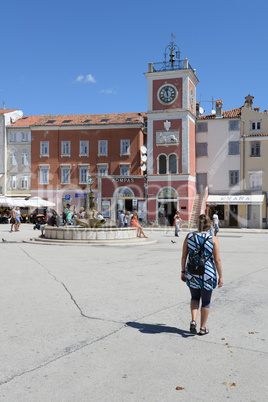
(78, 233)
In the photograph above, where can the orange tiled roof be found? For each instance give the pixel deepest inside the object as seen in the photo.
(256, 135)
(3, 111)
(227, 114)
(78, 119)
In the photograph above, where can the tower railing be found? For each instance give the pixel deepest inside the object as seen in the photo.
(168, 66)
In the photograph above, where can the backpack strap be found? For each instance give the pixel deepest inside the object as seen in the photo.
(201, 247)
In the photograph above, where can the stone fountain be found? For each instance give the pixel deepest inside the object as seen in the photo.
(92, 230)
(91, 221)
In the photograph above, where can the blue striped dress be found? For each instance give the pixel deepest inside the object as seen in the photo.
(207, 281)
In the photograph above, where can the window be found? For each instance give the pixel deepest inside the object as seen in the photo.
(255, 125)
(13, 182)
(234, 125)
(83, 148)
(25, 182)
(66, 121)
(172, 164)
(233, 177)
(24, 158)
(44, 148)
(65, 148)
(202, 127)
(162, 164)
(65, 175)
(44, 172)
(201, 149)
(124, 170)
(255, 181)
(125, 147)
(102, 170)
(103, 147)
(255, 148)
(12, 137)
(50, 121)
(13, 158)
(83, 174)
(233, 147)
(24, 137)
(103, 120)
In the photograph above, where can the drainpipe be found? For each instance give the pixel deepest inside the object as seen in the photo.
(244, 152)
(265, 192)
(146, 197)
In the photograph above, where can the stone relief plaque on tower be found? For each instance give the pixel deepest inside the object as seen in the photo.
(167, 137)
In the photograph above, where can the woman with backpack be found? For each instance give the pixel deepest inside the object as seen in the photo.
(200, 271)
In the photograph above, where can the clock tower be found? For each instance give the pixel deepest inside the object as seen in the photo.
(171, 137)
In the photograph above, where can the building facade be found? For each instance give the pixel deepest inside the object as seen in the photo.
(7, 116)
(66, 149)
(230, 164)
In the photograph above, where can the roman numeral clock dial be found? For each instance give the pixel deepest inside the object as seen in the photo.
(167, 94)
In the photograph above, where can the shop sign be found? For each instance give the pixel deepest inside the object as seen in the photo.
(106, 209)
(80, 195)
(67, 197)
(234, 198)
(124, 192)
(123, 180)
(167, 193)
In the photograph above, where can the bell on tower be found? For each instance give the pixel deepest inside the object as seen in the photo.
(172, 60)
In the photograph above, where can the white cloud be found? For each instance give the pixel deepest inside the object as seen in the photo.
(86, 79)
(79, 78)
(90, 78)
(108, 91)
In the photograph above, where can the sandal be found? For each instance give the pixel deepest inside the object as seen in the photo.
(203, 331)
(193, 327)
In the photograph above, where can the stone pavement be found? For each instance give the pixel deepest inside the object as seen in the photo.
(112, 323)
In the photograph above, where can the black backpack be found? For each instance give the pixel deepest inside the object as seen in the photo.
(197, 260)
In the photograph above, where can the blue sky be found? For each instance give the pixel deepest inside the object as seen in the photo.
(72, 57)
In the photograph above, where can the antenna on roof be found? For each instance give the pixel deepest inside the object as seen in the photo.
(209, 101)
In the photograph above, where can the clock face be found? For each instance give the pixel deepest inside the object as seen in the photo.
(167, 94)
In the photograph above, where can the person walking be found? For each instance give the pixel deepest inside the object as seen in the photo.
(201, 286)
(177, 222)
(18, 219)
(126, 219)
(216, 222)
(13, 219)
(121, 218)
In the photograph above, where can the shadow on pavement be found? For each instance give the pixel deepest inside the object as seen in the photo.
(158, 329)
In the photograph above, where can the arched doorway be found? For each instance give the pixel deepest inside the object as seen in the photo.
(124, 199)
(167, 205)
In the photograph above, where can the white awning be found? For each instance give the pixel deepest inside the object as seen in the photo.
(235, 199)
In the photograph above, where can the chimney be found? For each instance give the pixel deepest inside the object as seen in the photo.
(197, 109)
(256, 109)
(150, 67)
(4, 104)
(249, 101)
(218, 104)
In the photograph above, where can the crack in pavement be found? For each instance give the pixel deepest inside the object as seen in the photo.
(84, 344)
(68, 291)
